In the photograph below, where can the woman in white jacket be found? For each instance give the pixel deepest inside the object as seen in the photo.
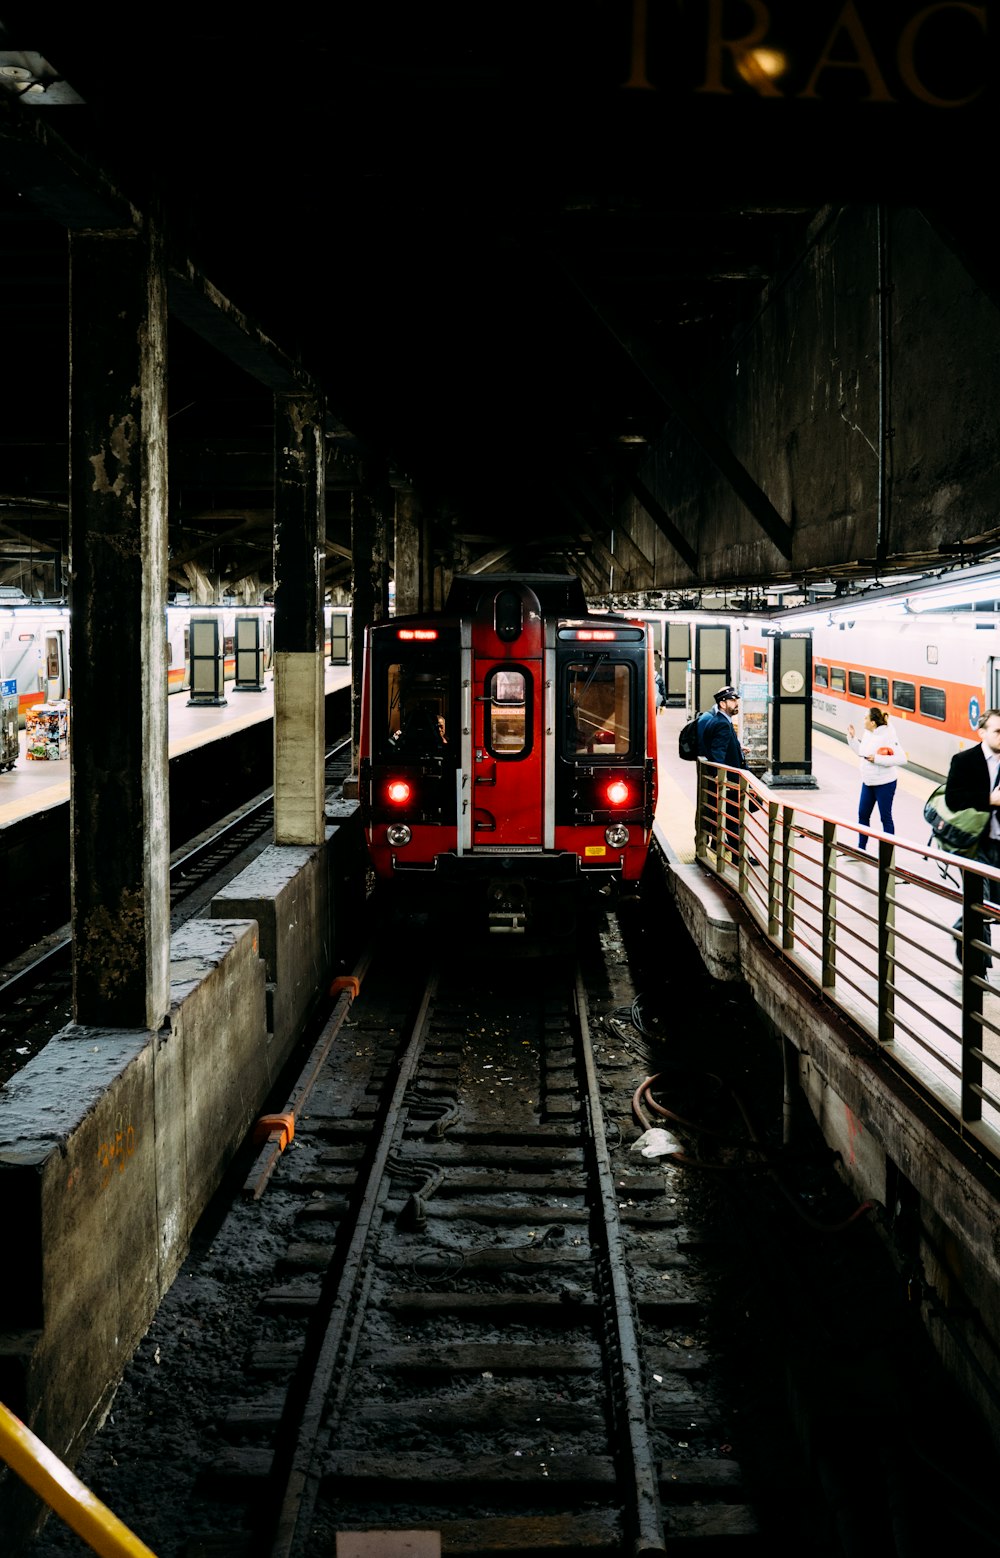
(881, 754)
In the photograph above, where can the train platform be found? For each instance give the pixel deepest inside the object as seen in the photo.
(835, 769)
(36, 786)
(836, 942)
(888, 1021)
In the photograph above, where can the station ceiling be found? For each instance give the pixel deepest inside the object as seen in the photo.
(507, 242)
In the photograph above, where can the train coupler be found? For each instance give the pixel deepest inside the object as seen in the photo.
(508, 907)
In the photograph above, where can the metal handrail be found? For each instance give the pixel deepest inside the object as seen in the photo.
(64, 1493)
(872, 930)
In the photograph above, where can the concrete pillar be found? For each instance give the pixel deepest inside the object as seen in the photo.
(299, 671)
(407, 565)
(119, 808)
(370, 594)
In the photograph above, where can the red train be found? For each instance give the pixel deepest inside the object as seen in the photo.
(508, 744)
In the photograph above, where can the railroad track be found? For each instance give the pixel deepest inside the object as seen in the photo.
(460, 1301)
(481, 1320)
(36, 991)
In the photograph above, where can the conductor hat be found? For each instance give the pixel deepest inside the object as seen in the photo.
(727, 692)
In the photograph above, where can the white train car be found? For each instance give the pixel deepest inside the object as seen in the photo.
(933, 672)
(34, 651)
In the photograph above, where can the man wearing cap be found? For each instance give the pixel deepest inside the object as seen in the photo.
(719, 743)
(718, 738)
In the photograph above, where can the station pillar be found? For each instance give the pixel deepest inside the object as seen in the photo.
(119, 805)
(299, 668)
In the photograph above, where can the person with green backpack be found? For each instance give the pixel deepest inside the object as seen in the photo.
(974, 782)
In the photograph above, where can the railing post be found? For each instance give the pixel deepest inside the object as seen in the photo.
(773, 916)
(886, 942)
(973, 973)
(828, 931)
(787, 884)
(720, 817)
(742, 837)
(699, 811)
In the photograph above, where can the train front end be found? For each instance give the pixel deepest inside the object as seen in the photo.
(508, 745)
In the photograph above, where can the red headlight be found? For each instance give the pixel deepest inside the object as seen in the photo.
(617, 792)
(398, 792)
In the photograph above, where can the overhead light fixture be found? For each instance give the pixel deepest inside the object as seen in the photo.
(630, 434)
(29, 76)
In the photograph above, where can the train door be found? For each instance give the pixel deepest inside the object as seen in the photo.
(56, 663)
(508, 771)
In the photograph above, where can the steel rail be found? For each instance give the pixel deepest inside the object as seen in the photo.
(302, 1482)
(644, 1517)
(59, 953)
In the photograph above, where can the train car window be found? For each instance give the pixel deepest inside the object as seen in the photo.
(821, 676)
(508, 727)
(417, 707)
(759, 660)
(904, 696)
(598, 707)
(878, 689)
(838, 678)
(856, 684)
(932, 702)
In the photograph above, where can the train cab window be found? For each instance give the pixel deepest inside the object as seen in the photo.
(932, 702)
(856, 684)
(759, 660)
(598, 707)
(878, 689)
(838, 678)
(507, 725)
(821, 675)
(418, 709)
(904, 696)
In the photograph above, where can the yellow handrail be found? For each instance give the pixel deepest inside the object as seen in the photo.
(36, 1465)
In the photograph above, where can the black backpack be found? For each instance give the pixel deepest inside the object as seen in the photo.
(687, 740)
(958, 832)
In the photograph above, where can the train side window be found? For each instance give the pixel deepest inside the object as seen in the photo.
(932, 702)
(598, 707)
(821, 676)
(508, 727)
(904, 696)
(838, 678)
(759, 663)
(878, 689)
(856, 684)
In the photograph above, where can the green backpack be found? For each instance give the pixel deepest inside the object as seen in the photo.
(959, 832)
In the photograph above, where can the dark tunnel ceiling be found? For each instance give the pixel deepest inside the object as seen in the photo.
(445, 212)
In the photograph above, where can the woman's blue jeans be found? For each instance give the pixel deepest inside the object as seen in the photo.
(883, 794)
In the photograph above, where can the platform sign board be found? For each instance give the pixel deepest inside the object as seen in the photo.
(752, 724)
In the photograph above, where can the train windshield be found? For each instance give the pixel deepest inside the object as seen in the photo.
(599, 707)
(418, 707)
